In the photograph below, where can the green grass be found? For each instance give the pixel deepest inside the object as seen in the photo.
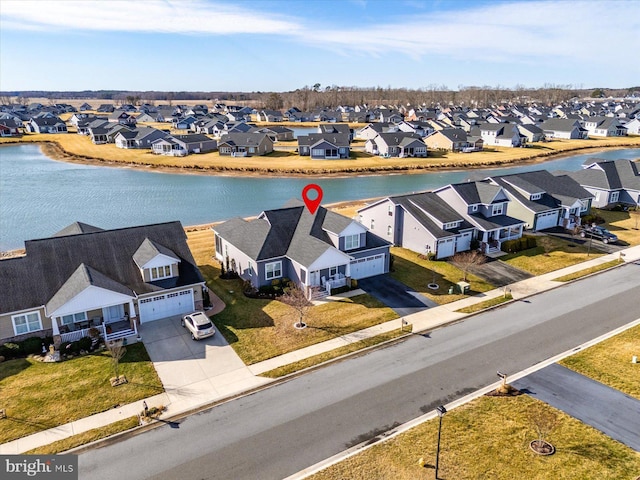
(609, 362)
(86, 437)
(489, 439)
(417, 273)
(335, 353)
(38, 396)
(562, 254)
(261, 329)
(587, 271)
(486, 304)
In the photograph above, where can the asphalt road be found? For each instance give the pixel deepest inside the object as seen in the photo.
(279, 431)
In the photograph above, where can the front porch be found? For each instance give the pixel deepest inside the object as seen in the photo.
(491, 241)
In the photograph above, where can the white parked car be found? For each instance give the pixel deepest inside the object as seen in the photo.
(199, 325)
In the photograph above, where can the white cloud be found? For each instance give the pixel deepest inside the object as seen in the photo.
(148, 16)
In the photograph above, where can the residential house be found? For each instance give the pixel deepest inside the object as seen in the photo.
(373, 129)
(85, 277)
(484, 206)
(278, 134)
(48, 124)
(270, 116)
(563, 128)
(422, 222)
(245, 144)
(341, 128)
(321, 146)
(122, 117)
(141, 137)
(185, 123)
(532, 133)
(451, 139)
(633, 126)
(398, 144)
(604, 127)
(498, 134)
(85, 107)
(543, 200)
(612, 182)
(320, 251)
(181, 145)
(9, 127)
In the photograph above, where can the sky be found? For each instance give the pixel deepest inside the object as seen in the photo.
(264, 45)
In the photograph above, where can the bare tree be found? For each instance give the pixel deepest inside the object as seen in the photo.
(295, 297)
(117, 350)
(544, 420)
(466, 260)
(635, 214)
(546, 243)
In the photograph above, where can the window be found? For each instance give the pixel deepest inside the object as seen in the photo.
(498, 209)
(584, 205)
(390, 211)
(273, 270)
(373, 224)
(160, 272)
(614, 197)
(333, 271)
(536, 196)
(76, 317)
(474, 208)
(351, 242)
(450, 225)
(389, 230)
(27, 322)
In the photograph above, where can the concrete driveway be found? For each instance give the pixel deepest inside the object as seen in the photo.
(194, 372)
(396, 295)
(606, 409)
(499, 273)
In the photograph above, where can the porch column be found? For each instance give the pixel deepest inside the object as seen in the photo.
(133, 318)
(347, 271)
(54, 325)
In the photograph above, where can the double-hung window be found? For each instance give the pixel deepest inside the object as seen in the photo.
(160, 272)
(351, 242)
(273, 270)
(76, 317)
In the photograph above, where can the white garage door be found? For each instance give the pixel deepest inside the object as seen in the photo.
(367, 267)
(464, 242)
(547, 220)
(446, 248)
(165, 305)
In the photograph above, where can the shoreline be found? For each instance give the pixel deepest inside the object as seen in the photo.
(53, 150)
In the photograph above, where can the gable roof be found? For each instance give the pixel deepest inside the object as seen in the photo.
(33, 279)
(77, 228)
(244, 139)
(477, 192)
(608, 174)
(148, 250)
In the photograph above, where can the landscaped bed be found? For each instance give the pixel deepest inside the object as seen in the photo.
(489, 439)
(38, 396)
(417, 272)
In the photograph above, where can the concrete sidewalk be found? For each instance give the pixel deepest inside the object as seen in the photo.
(220, 384)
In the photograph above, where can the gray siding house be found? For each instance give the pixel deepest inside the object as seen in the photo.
(245, 144)
(612, 182)
(181, 145)
(421, 222)
(319, 252)
(324, 146)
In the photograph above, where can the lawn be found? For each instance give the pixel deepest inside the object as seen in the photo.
(80, 147)
(262, 329)
(38, 396)
(561, 254)
(477, 307)
(488, 439)
(609, 362)
(626, 225)
(417, 273)
(587, 271)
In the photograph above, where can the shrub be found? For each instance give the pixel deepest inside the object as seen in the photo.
(10, 350)
(32, 345)
(592, 218)
(523, 243)
(84, 344)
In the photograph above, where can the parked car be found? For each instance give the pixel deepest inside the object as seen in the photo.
(199, 325)
(598, 233)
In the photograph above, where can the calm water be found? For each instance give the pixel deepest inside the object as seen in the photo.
(40, 196)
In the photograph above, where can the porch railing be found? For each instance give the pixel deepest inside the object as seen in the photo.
(74, 335)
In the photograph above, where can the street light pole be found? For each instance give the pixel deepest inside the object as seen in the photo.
(441, 411)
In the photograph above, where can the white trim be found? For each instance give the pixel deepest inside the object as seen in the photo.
(25, 315)
(352, 247)
(277, 265)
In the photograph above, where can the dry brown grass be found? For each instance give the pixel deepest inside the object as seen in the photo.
(80, 148)
(488, 439)
(626, 225)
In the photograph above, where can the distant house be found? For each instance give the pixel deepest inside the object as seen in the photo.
(633, 126)
(181, 145)
(422, 222)
(484, 206)
(48, 124)
(105, 108)
(398, 144)
(85, 106)
(563, 128)
(451, 139)
(120, 116)
(245, 144)
(141, 137)
(277, 134)
(185, 123)
(531, 132)
(543, 200)
(341, 128)
(498, 134)
(270, 116)
(373, 129)
(611, 182)
(111, 280)
(318, 252)
(604, 127)
(320, 146)
(9, 127)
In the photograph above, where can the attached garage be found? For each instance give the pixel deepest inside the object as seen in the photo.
(367, 266)
(165, 305)
(446, 248)
(546, 220)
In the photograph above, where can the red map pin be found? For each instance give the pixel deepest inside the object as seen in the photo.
(312, 203)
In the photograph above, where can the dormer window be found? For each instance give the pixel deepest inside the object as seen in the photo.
(450, 225)
(498, 209)
(158, 273)
(351, 242)
(536, 196)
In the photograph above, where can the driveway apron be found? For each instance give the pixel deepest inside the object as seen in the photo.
(606, 409)
(395, 295)
(499, 273)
